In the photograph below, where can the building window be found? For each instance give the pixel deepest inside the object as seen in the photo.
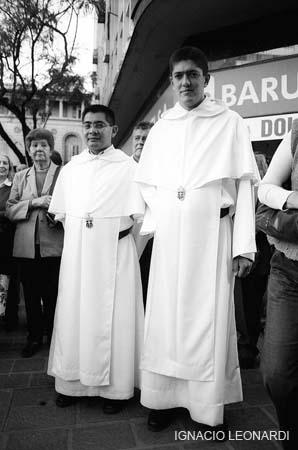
(54, 108)
(65, 108)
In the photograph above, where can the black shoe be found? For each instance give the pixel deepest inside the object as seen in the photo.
(11, 326)
(31, 348)
(113, 406)
(159, 419)
(65, 400)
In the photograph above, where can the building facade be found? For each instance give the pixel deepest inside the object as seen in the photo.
(64, 122)
(252, 48)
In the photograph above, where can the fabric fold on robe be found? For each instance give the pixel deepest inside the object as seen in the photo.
(100, 189)
(206, 154)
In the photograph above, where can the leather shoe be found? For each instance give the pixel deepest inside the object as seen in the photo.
(64, 400)
(159, 419)
(30, 349)
(111, 406)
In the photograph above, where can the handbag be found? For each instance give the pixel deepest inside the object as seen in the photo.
(52, 223)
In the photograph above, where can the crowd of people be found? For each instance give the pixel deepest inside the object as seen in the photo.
(168, 229)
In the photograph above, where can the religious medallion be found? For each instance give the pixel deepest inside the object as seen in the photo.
(181, 193)
(89, 221)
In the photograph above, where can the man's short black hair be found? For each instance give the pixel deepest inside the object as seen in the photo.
(189, 53)
(144, 125)
(110, 116)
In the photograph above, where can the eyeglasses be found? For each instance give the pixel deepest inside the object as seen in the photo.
(96, 125)
(190, 74)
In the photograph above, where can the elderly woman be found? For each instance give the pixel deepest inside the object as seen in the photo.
(38, 239)
(280, 352)
(6, 230)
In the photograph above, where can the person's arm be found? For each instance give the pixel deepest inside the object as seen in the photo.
(270, 191)
(17, 209)
(282, 225)
(244, 245)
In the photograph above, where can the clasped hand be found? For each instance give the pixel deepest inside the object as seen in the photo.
(241, 266)
(42, 202)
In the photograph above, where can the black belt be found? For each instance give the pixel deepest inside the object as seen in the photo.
(124, 233)
(224, 212)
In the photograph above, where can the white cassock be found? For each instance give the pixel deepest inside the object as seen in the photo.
(203, 156)
(98, 328)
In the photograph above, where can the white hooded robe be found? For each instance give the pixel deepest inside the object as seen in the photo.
(98, 328)
(190, 347)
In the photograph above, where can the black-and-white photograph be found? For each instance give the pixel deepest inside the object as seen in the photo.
(148, 225)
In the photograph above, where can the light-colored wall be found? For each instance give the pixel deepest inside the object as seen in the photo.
(118, 15)
(60, 128)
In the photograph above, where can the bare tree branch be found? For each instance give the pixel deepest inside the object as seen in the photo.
(31, 68)
(12, 145)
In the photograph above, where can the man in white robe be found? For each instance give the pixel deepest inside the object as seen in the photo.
(98, 327)
(196, 175)
(139, 136)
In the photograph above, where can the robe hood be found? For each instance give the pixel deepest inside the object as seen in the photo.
(98, 185)
(193, 148)
(208, 108)
(109, 154)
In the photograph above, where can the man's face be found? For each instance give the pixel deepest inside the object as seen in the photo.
(40, 151)
(98, 132)
(189, 82)
(139, 139)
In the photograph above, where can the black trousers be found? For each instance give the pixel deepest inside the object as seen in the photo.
(39, 277)
(145, 262)
(253, 290)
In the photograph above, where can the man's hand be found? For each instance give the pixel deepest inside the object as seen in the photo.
(241, 266)
(41, 202)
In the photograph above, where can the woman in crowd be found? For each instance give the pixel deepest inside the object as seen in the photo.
(280, 351)
(38, 239)
(6, 230)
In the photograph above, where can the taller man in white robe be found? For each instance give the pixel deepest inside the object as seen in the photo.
(98, 327)
(196, 174)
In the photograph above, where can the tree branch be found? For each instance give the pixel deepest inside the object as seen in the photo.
(12, 145)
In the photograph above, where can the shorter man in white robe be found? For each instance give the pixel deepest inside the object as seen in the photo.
(98, 327)
(197, 175)
(139, 136)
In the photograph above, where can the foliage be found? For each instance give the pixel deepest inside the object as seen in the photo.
(37, 39)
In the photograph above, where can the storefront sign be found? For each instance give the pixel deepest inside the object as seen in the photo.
(258, 89)
(270, 127)
(266, 94)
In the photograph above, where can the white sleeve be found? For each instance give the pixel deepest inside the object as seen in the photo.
(270, 191)
(149, 196)
(244, 243)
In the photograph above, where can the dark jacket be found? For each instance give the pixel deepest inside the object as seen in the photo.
(282, 225)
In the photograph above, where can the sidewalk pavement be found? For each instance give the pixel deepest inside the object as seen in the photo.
(30, 420)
